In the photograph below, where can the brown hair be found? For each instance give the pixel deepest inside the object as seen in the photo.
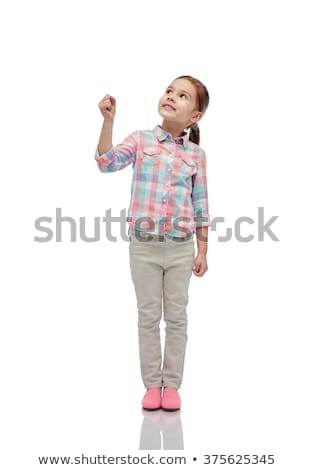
(203, 100)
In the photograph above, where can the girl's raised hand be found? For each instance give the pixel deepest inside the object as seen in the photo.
(108, 107)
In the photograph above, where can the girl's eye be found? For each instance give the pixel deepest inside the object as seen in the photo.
(168, 92)
(183, 95)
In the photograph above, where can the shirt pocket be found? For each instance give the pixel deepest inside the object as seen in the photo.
(188, 166)
(151, 157)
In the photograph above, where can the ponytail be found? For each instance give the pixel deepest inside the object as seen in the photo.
(194, 134)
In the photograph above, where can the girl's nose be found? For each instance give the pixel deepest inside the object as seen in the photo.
(170, 98)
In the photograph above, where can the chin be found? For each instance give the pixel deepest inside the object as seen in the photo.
(167, 115)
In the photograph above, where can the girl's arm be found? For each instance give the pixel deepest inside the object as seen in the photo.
(106, 138)
(201, 213)
(108, 109)
(202, 239)
(108, 157)
(200, 202)
(200, 265)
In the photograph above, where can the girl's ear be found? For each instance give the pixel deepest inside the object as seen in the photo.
(197, 115)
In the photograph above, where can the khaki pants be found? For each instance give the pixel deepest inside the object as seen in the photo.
(161, 270)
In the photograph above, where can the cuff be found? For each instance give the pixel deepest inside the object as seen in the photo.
(202, 221)
(105, 159)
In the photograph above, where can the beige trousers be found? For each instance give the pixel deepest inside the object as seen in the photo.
(161, 269)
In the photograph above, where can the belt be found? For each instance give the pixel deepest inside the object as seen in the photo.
(147, 236)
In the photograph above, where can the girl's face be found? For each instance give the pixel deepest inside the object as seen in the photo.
(179, 103)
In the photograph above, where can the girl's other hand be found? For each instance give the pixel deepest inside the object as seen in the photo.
(201, 265)
(108, 107)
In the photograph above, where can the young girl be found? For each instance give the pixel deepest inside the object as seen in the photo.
(169, 203)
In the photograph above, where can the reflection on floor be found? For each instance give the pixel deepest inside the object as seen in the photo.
(161, 430)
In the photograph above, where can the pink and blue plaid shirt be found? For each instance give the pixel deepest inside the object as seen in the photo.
(169, 184)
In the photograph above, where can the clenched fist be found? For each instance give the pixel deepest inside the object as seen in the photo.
(108, 107)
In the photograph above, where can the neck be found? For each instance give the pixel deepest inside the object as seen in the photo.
(173, 129)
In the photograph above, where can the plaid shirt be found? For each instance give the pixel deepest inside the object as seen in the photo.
(169, 184)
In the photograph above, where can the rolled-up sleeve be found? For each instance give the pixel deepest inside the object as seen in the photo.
(200, 193)
(118, 157)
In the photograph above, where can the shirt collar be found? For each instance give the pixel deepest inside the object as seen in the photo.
(162, 135)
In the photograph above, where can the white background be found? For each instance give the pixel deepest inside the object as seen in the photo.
(69, 353)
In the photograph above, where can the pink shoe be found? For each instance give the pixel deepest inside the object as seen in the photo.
(152, 399)
(171, 399)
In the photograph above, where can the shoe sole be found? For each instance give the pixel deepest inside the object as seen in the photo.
(170, 409)
(151, 409)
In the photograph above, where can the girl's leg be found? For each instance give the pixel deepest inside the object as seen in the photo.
(179, 262)
(146, 259)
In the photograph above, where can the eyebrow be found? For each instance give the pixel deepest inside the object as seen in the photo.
(180, 91)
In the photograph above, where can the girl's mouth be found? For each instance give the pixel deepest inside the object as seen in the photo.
(169, 106)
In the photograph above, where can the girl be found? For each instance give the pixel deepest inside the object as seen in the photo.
(169, 203)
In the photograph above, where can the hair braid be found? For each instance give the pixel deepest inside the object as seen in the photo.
(194, 134)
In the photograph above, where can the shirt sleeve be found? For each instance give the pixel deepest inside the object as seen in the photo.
(200, 193)
(118, 157)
